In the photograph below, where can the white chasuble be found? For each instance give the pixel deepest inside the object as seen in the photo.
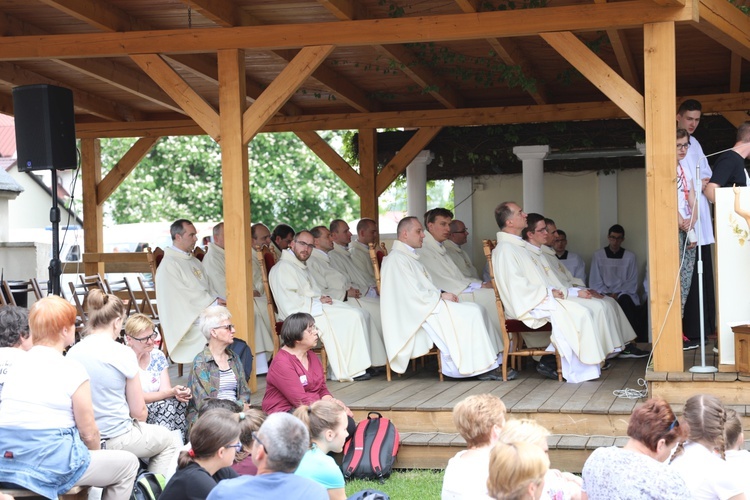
(459, 257)
(343, 329)
(182, 292)
(524, 291)
(335, 284)
(215, 266)
(409, 302)
(361, 257)
(615, 313)
(342, 261)
(446, 276)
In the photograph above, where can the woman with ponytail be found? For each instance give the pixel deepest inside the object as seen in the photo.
(327, 424)
(701, 459)
(214, 441)
(117, 396)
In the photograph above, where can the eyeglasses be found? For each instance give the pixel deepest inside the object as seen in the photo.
(674, 424)
(257, 440)
(237, 447)
(542, 230)
(308, 245)
(143, 340)
(313, 329)
(616, 238)
(683, 147)
(228, 327)
(465, 231)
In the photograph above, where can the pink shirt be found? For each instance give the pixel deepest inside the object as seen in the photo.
(289, 385)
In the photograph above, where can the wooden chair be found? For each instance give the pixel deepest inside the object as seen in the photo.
(376, 263)
(512, 329)
(263, 254)
(158, 254)
(25, 287)
(92, 281)
(79, 293)
(121, 288)
(380, 253)
(199, 253)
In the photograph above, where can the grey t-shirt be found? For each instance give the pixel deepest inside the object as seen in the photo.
(616, 473)
(110, 365)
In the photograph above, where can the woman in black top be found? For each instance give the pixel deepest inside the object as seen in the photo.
(214, 440)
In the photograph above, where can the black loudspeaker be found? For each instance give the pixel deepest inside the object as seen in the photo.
(45, 127)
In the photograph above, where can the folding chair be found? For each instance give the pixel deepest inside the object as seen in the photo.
(122, 289)
(24, 287)
(512, 329)
(376, 257)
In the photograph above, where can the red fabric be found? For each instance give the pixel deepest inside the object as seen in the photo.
(246, 467)
(269, 260)
(379, 255)
(284, 389)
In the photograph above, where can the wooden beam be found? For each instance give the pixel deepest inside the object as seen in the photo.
(510, 23)
(624, 55)
(405, 156)
(122, 169)
(236, 190)
(93, 219)
(598, 73)
(368, 169)
(604, 110)
(735, 73)
(331, 158)
(178, 89)
(661, 202)
(342, 9)
(736, 118)
(282, 88)
(222, 12)
(723, 22)
(101, 15)
(670, 3)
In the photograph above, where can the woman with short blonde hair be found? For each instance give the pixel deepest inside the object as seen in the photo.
(517, 471)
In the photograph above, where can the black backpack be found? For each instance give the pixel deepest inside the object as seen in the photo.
(370, 453)
(148, 486)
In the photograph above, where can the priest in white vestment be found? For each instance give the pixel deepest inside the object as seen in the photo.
(416, 315)
(444, 272)
(183, 292)
(527, 297)
(572, 261)
(281, 238)
(457, 238)
(367, 232)
(342, 261)
(344, 330)
(215, 264)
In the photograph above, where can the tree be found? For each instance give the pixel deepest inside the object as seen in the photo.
(181, 177)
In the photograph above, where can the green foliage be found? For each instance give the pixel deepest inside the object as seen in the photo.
(181, 177)
(404, 485)
(744, 8)
(393, 199)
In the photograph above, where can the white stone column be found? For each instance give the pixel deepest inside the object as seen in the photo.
(533, 176)
(416, 184)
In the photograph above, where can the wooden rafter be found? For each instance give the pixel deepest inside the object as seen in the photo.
(344, 10)
(285, 84)
(598, 73)
(404, 157)
(510, 53)
(600, 110)
(735, 73)
(222, 12)
(122, 168)
(623, 54)
(331, 158)
(720, 20)
(522, 22)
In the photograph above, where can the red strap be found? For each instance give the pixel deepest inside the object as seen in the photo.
(377, 444)
(358, 442)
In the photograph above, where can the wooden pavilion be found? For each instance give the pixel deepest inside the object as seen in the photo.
(235, 68)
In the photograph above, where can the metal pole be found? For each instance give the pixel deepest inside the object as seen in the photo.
(55, 270)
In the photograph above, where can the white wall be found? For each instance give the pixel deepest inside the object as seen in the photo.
(572, 200)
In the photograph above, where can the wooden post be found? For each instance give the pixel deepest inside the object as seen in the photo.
(368, 170)
(236, 190)
(93, 221)
(661, 195)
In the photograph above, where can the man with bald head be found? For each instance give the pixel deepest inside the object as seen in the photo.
(367, 232)
(456, 238)
(342, 261)
(416, 314)
(344, 330)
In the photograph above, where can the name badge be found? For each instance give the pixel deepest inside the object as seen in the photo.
(303, 379)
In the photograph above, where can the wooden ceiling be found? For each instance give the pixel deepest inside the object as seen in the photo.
(394, 63)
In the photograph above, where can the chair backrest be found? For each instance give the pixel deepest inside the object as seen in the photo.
(199, 253)
(158, 254)
(269, 258)
(376, 263)
(147, 307)
(122, 289)
(92, 281)
(20, 287)
(487, 245)
(79, 293)
(262, 254)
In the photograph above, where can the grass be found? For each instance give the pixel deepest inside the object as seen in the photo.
(415, 484)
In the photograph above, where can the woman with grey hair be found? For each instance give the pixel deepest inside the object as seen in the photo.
(15, 339)
(217, 372)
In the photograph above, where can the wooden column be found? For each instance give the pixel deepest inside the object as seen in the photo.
(368, 170)
(236, 190)
(93, 221)
(661, 195)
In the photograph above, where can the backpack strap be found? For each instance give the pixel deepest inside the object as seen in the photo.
(357, 442)
(377, 445)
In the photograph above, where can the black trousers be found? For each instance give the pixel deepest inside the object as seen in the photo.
(691, 320)
(637, 316)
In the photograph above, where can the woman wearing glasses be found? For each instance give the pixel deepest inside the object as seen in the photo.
(637, 470)
(166, 404)
(217, 371)
(214, 441)
(296, 376)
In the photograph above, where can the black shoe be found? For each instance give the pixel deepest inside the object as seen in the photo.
(546, 371)
(489, 376)
(689, 345)
(607, 365)
(632, 351)
(363, 377)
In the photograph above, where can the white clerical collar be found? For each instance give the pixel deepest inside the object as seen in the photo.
(321, 251)
(362, 244)
(412, 250)
(183, 252)
(342, 247)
